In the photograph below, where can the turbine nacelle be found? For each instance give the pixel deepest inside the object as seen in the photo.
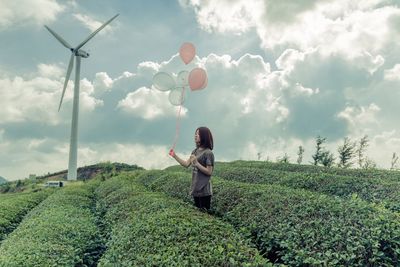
(81, 53)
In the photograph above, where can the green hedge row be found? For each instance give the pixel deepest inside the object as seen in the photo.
(373, 173)
(13, 208)
(297, 227)
(61, 231)
(369, 189)
(151, 229)
(389, 176)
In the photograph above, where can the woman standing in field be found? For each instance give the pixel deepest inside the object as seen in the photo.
(202, 161)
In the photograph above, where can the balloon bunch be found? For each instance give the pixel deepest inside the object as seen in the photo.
(196, 79)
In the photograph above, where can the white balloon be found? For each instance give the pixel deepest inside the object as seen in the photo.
(177, 96)
(183, 78)
(163, 81)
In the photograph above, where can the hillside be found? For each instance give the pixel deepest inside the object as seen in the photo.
(88, 172)
(84, 174)
(3, 180)
(262, 215)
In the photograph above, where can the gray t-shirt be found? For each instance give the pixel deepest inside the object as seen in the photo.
(201, 185)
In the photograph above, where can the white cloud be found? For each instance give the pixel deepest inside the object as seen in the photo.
(102, 81)
(50, 71)
(89, 103)
(239, 92)
(1, 135)
(86, 86)
(352, 29)
(367, 61)
(149, 68)
(361, 119)
(126, 80)
(301, 90)
(149, 104)
(37, 159)
(383, 145)
(36, 100)
(289, 58)
(237, 16)
(93, 24)
(31, 156)
(380, 149)
(23, 100)
(27, 12)
(393, 74)
(147, 156)
(334, 26)
(273, 148)
(35, 143)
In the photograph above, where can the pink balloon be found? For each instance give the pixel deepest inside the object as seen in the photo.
(198, 79)
(205, 83)
(187, 52)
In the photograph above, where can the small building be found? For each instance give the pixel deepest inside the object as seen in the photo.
(54, 184)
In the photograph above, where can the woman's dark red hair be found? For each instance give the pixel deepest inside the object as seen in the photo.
(206, 138)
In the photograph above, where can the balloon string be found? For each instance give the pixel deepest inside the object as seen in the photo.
(178, 120)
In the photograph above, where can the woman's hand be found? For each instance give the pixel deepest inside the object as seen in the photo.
(206, 170)
(193, 160)
(172, 153)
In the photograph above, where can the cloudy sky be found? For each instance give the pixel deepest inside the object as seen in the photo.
(279, 74)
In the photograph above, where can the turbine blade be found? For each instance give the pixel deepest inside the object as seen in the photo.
(70, 66)
(59, 38)
(95, 32)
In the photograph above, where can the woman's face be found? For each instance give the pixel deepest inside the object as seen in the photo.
(197, 137)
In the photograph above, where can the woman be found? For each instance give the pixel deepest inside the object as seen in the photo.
(202, 161)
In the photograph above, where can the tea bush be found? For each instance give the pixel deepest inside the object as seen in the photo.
(369, 189)
(297, 227)
(151, 229)
(13, 207)
(58, 232)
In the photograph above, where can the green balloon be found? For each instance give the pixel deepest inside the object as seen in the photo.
(177, 96)
(163, 81)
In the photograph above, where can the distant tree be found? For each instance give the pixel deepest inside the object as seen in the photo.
(284, 159)
(362, 146)
(346, 153)
(300, 154)
(369, 164)
(259, 155)
(18, 184)
(319, 149)
(395, 158)
(4, 188)
(327, 159)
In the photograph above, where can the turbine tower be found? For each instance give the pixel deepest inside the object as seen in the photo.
(78, 53)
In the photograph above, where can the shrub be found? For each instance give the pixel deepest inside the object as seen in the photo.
(390, 176)
(369, 189)
(150, 229)
(13, 207)
(58, 232)
(297, 227)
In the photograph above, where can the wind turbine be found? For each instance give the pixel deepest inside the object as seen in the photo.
(78, 53)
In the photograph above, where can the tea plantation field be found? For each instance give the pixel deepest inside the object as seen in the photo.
(263, 214)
